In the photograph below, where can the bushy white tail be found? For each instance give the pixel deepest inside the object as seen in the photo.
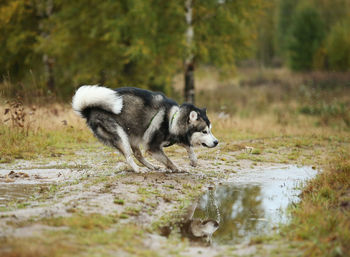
(95, 96)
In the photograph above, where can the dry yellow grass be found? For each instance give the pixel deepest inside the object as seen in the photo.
(50, 117)
(47, 131)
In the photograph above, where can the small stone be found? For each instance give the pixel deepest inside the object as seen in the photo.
(9, 180)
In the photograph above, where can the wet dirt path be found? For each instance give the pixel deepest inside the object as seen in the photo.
(91, 183)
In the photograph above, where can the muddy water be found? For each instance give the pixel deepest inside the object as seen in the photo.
(17, 192)
(19, 185)
(251, 203)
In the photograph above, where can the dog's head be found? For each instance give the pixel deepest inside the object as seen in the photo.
(199, 127)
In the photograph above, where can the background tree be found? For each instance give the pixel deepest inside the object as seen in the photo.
(44, 10)
(338, 46)
(189, 54)
(285, 15)
(58, 45)
(223, 33)
(18, 35)
(128, 42)
(134, 43)
(266, 50)
(307, 34)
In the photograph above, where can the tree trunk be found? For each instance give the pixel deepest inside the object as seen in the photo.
(189, 82)
(189, 62)
(50, 79)
(45, 9)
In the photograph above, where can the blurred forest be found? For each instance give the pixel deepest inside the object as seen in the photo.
(52, 47)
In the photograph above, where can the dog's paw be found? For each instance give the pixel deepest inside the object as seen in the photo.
(173, 170)
(155, 168)
(143, 171)
(167, 170)
(194, 163)
(136, 169)
(180, 171)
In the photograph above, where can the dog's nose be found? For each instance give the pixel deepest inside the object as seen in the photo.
(216, 142)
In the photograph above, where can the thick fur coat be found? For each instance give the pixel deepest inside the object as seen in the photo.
(127, 118)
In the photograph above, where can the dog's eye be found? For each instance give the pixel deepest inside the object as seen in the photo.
(205, 132)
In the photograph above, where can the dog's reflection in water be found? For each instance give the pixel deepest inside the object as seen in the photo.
(198, 229)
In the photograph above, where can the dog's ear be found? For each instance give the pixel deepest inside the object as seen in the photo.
(193, 116)
(204, 110)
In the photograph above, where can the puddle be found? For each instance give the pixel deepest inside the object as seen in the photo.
(20, 184)
(35, 176)
(250, 204)
(17, 192)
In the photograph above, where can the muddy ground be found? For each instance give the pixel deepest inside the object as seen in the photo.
(96, 183)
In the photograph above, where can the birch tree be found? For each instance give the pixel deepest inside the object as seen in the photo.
(189, 59)
(44, 10)
(218, 33)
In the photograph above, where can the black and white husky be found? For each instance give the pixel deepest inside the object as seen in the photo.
(126, 118)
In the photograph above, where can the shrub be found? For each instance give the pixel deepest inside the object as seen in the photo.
(307, 35)
(338, 47)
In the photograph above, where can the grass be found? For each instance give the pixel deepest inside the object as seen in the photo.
(119, 201)
(50, 131)
(77, 233)
(321, 222)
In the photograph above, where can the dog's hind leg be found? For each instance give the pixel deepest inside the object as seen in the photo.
(160, 156)
(140, 158)
(107, 130)
(124, 147)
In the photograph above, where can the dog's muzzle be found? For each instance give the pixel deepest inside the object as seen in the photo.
(215, 143)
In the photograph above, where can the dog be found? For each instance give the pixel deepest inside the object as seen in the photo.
(128, 117)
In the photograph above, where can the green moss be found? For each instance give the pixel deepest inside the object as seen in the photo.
(123, 216)
(83, 221)
(119, 201)
(256, 151)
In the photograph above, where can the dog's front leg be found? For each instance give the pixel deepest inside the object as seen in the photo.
(160, 156)
(191, 155)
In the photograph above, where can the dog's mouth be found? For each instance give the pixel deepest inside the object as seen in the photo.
(205, 145)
